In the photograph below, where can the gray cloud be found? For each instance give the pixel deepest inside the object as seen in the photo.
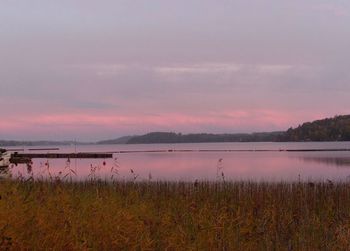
(197, 58)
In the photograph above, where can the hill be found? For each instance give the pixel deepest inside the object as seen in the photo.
(121, 140)
(171, 137)
(329, 129)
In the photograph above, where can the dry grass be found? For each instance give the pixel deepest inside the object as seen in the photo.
(97, 215)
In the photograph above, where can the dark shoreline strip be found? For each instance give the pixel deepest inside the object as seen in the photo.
(43, 149)
(63, 155)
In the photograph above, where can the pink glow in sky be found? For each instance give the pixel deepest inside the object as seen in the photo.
(91, 70)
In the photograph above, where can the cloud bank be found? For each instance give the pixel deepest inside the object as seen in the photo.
(88, 71)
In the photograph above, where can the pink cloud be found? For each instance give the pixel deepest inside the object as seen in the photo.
(96, 124)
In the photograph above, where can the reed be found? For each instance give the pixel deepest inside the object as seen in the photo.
(159, 215)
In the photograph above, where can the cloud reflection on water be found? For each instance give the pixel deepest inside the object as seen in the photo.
(189, 166)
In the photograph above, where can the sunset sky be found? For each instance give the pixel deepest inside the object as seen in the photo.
(91, 70)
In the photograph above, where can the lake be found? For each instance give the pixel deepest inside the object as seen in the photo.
(202, 161)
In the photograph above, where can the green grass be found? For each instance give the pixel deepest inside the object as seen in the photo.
(40, 215)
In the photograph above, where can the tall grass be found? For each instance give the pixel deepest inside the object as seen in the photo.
(40, 215)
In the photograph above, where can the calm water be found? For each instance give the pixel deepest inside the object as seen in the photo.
(188, 166)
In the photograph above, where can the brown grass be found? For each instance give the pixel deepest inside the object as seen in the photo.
(97, 215)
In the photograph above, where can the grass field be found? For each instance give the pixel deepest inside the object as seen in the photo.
(38, 215)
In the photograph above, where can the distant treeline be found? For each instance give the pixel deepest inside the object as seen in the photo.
(37, 143)
(330, 129)
(169, 137)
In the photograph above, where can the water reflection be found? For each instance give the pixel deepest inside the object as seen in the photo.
(189, 166)
(330, 161)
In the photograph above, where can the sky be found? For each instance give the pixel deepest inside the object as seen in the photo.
(92, 70)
